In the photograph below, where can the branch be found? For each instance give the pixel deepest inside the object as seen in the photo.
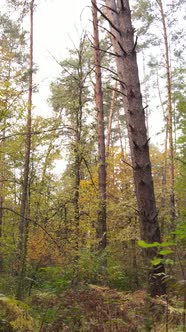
(116, 90)
(107, 19)
(118, 80)
(146, 143)
(125, 162)
(107, 52)
(108, 31)
(38, 132)
(145, 107)
(127, 205)
(113, 10)
(110, 70)
(87, 166)
(135, 44)
(34, 222)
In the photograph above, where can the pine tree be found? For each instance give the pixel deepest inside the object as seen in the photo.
(122, 35)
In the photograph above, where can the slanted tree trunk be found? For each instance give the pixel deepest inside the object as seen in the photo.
(170, 116)
(122, 35)
(23, 223)
(101, 227)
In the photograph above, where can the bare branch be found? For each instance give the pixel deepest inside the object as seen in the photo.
(118, 80)
(107, 19)
(117, 91)
(113, 10)
(34, 222)
(107, 52)
(110, 70)
(87, 166)
(125, 162)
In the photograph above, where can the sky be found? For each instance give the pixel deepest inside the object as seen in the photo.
(57, 25)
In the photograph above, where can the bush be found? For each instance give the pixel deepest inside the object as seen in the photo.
(14, 316)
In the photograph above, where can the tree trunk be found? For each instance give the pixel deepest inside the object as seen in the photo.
(78, 158)
(2, 166)
(23, 224)
(77, 165)
(135, 281)
(101, 227)
(170, 116)
(164, 168)
(2, 163)
(1, 222)
(120, 137)
(110, 116)
(122, 35)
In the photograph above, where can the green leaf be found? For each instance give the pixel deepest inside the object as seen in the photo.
(156, 261)
(145, 245)
(168, 261)
(166, 252)
(167, 244)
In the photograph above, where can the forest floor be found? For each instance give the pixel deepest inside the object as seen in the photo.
(90, 308)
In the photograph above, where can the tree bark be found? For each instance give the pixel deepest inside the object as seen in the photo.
(23, 223)
(122, 35)
(101, 227)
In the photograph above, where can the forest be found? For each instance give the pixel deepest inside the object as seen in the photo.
(92, 202)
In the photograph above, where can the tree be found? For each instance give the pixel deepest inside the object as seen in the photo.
(70, 96)
(24, 207)
(101, 227)
(166, 18)
(169, 115)
(12, 87)
(122, 35)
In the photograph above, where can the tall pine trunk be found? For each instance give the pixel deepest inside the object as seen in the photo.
(122, 35)
(23, 223)
(101, 227)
